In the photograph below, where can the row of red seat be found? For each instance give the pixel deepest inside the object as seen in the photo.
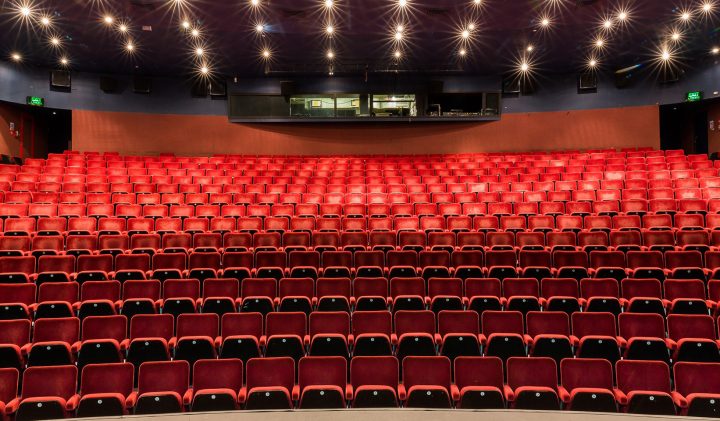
(502, 334)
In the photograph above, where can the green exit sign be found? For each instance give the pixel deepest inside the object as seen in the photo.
(35, 101)
(694, 96)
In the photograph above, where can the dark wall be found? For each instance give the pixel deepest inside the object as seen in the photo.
(172, 96)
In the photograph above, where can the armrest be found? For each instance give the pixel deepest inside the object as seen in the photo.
(679, 399)
(671, 344)
(620, 396)
(75, 348)
(187, 397)
(564, 395)
(130, 401)
(72, 403)
(528, 339)
(172, 342)
(348, 392)
(509, 393)
(622, 342)
(402, 393)
(295, 392)
(12, 406)
(242, 395)
(454, 393)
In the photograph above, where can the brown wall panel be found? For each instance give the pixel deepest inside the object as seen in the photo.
(132, 133)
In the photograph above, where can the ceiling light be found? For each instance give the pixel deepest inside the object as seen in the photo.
(622, 15)
(685, 16)
(665, 55)
(477, 2)
(462, 52)
(545, 22)
(675, 36)
(329, 4)
(255, 2)
(16, 56)
(199, 51)
(398, 54)
(471, 27)
(186, 24)
(530, 48)
(329, 29)
(108, 19)
(599, 43)
(398, 36)
(592, 62)
(266, 53)
(465, 34)
(204, 70)
(25, 11)
(64, 61)
(130, 46)
(45, 21)
(195, 33)
(259, 28)
(55, 41)
(399, 28)
(524, 66)
(607, 24)
(330, 55)
(123, 28)
(707, 6)
(402, 3)
(715, 50)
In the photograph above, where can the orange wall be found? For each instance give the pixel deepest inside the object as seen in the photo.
(9, 145)
(131, 133)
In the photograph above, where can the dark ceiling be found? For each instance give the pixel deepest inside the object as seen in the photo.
(363, 37)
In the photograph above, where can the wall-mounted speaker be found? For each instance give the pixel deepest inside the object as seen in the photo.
(587, 82)
(626, 77)
(199, 89)
(60, 79)
(436, 87)
(287, 88)
(218, 89)
(142, 85)
(511, 86)
(109, 85)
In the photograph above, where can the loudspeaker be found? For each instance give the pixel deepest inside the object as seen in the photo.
(199, 89)
(511, 86)
(60, 79)
(218, 89)
(142, 85)
(109, 85)
(587, 82)
(626, 77)
(287, 88)
(436, 87)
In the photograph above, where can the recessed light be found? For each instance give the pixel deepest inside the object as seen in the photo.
(195, 33)
(462, 52)
(675, 36)
(530, 48)
(55, 41)
(199, 51)
(715, 50)
(204, 70)
(707, 6)
(471, 27)
(607, 24)
(64, 61)
(255, 2)
(665, 55)
(185, 24)
(402, 3)
(330, 29)
(599, 43)
(398, 36)
(524, 66)
(108, 19)
(330, 55)
(259, 28)
(123, 27)
(592, 62)
(45, 21)
(465, 34)
(398, 54)
(16, 56)
(266, 53)
(25, 11)
(130, 46)
(329, 4)
(623, 15)
(545, 22)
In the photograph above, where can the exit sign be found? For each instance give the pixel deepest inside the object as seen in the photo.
(35, 101)
(694, 96)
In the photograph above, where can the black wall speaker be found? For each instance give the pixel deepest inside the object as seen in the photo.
(218, 89)
(142, 85)
(199, 89)
(287, 88)
(109, 85)
(60, 79)
(511, 86)
(587, 82)
(436, 87)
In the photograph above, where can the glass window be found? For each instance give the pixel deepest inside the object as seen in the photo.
(348, 106)
(394, 105)
(322, 106)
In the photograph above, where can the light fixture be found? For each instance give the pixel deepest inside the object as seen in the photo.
(45, 21)
(462, 52)
(465, 34)
(402, 3)
(108, 19)
(266, 53)
(477, 2)
(524, 67)
(330, 55)
(199, 51)
(685, 16)
(399, 28)
(16, 56)
(329, 4)
(471, 27)
(55, 41)
(64, 61)
(707, 7)
(592, 63)
(622, 15)
(255, 3)
(398, 54)
(123, 28)
(665, 55)
(130, 47)
(545, 22)
(185, 24)
(398, 36)
(675, 36)
(195, 33)
(204, 70)
(599, 43)
(715, 50)
(25, 11)
(530, 48)
(607, 24)
(259, 28)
